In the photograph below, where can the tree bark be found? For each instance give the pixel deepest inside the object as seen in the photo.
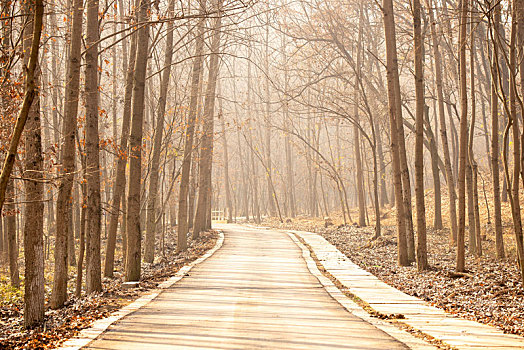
(382, 167)
(393, 97)
(193, 182)
(421, 251)
(134, 232)
(67, 169)
(404, 172)
(93, 212)
(227, 189)
(495, 149)
(356, 130)
(472, 165)
(31, 92)
(183, 221)
(206, 148)
(513, 120)
(152, 212)
(450, 181)
(119, 186)
(10, 228)
(269, 168)
(33, 174)
(463, 140)
(82, 233)
(290, 176)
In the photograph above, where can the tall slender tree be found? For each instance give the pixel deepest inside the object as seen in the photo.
(67, 169)
(463, 140)
(33, 166)
(119, 185)
(394, 103)
(134, 232)
(421, 252)
(206, 148)
(495, 149)
(182, 228)
(92, 148)
(152, 214)
(356, 130)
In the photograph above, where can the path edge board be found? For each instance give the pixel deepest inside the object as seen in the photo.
(455, 333)
(400, 335)
(87, 335)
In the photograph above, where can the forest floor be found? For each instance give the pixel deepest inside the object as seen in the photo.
(80, 313)
(492, 294)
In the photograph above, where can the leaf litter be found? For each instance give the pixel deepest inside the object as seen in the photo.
(490, 292)
(79, 313)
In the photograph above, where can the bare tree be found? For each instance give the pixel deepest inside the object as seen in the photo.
(134, 232)
(92, 141)
(394, 115)
(495, 149)
(421, 252)
(182, 228)
(464, 8)
(152, 214)
(119, 185)
(67, 170)
(450, 181)
(206, 148)
(33, 165)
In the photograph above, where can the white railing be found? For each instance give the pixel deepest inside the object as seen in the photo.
(218, 215)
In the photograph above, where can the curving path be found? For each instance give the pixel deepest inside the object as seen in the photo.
(255, 292)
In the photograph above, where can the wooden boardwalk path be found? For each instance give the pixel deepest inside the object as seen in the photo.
(255, 292)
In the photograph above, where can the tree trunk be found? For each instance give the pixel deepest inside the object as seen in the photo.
(82, 233)
(32, 42)
(463, 140)
(435, 171)
(206, 148)
(421, 252)
(254, 169)
(67, 170)
(443, 129)
(119, 186)
(477, 214)
(93, 213)
(393, 97)
(519, 7)
(309, 166)
(473, 234)
(134, 232)
(356, 131)
(513, 119)
(10, 228)
(406, 185)
(193, 182)
(245, 174)
(229, 203)
(472, 239)
(290, 176)
(183, 222)
(382, 166)
(33, 174)
(5, 74)
(495, 150)
(71, 236)
(152, 212)
(484, 63)
(269, 168)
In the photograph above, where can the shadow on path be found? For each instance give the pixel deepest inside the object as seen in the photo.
(255, 292)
